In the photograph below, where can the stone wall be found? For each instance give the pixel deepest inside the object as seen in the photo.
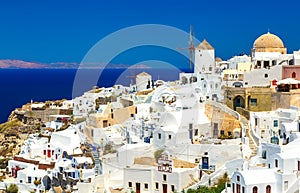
(225, 120)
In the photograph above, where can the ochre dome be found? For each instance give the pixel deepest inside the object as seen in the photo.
(268, 40)
(269, 43)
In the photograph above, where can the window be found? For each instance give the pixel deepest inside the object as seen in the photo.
(254, 189)
(298, 165)
(266, 75)
(268, 189)
(196, 132)
(215, 131)
(264, 154)
(170, 136)
(112, 115)
(238, 178)
(275, 123)
(29, 179)
(253, 102)
(104, 123)
(159, 136)
(156, 185)
(130, 184)
(243, 189)
(276, 163)
(222, 132)
(286, 185)
(172, 188)
(233, 188)
(164, 177)
(294, 75)
(146, 186)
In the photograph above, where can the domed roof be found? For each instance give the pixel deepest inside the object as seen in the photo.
(268, 40)
(218, 59)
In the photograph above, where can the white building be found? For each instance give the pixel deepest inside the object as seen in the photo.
(86, 104)
(278, 124)
(209, 85)
(268, 55)
(204, 58)
(143, 81)
(181, 127)
(236, 60)
(164, 178)
(296, 55)
(280, 176)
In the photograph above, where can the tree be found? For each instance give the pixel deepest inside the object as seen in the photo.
(218, 188)
(157, 154)
(13, 188)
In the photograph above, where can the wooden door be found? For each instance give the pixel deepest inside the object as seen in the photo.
(138, 187)
(165, 188)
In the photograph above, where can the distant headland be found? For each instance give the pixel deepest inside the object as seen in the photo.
(20, 64)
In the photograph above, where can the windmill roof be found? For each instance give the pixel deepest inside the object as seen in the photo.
(204, 45)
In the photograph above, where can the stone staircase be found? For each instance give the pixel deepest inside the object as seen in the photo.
(248, 134)
(98, 163)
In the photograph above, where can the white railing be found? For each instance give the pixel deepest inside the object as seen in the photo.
(224, 108)
(255, 137)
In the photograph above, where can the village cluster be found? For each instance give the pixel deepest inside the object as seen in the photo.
(239, 117)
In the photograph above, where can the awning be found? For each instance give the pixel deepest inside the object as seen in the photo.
(288, 81)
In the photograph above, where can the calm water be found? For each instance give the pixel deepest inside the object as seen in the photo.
(19, 86)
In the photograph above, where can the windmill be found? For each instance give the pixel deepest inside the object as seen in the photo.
(191, 47)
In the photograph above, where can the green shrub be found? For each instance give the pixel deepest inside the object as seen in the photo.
(13, 188)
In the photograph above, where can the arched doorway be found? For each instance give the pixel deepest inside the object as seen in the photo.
(238, 102)
(184, 80)
(46, 182)
(268, 189)
(254, 190)
(193, 79)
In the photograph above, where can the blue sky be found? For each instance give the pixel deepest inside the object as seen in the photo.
(64, 31)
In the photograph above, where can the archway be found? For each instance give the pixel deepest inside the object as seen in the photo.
(46, 182)
(268, 189)
(237, 84)
(193, 79)
(184, 80)
(238, 102)
(254, 189)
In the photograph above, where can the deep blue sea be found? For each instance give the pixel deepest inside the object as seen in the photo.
(20, 86)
